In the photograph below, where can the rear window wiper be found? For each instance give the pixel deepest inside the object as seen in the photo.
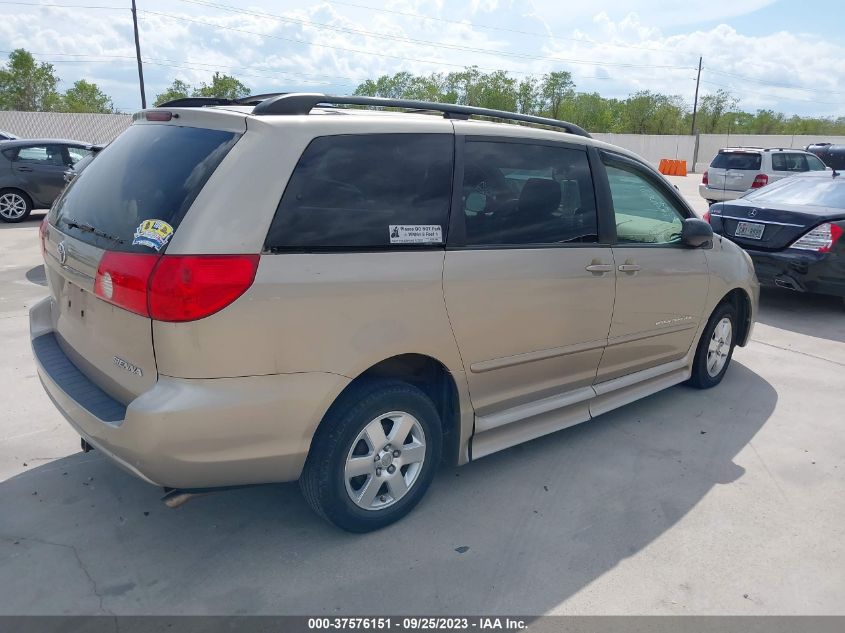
(82, 226)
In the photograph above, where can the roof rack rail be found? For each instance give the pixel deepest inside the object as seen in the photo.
(303, 103)
(200, 102)
(195, 102)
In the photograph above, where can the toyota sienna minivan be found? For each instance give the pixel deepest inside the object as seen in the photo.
(289, 288)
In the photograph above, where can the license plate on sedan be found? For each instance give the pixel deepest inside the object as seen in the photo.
(751, 230)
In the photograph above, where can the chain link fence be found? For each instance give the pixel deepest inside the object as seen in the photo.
(89, 128)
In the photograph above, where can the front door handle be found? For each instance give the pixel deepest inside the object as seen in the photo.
(599, 268)
(629, 268)
(24, 168)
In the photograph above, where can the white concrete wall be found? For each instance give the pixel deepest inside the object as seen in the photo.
(90, 128)
(653, 147)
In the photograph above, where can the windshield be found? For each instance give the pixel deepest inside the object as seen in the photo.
(133, 197)
(817, 192)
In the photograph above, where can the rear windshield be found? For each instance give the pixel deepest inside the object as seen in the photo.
(737, 160)
(817, 192)
(135, 193)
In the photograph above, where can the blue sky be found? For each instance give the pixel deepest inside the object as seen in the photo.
(782, 55)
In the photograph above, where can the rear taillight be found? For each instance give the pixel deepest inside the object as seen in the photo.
(760, 180)
(190, 287)
(821, 239)
(706, 216)
(123, 278)
(704, 179)
(173, 287)
(42, 235)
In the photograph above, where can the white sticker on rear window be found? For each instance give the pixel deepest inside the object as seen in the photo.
(153, 233)
(416, 234)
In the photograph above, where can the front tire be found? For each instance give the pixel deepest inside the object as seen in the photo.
(715, 349)
(15, 206)
(373, 456)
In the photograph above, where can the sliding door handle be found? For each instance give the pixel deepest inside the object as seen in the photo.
(599, 268)
(629, 268)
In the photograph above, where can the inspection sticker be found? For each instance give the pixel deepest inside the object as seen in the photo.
(416, 234)
(153, 233)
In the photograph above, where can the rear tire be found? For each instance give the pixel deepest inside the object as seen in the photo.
(15, 205)
(715, 349)
(373, 456)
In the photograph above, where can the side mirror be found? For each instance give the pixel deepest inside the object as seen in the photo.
(696, 233)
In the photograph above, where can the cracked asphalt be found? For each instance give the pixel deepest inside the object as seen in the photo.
(727, 501)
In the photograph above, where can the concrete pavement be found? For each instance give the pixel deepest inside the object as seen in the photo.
(726, 501)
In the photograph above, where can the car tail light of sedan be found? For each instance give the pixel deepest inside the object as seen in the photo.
(704, 179)
(760, 180)
(821, 239)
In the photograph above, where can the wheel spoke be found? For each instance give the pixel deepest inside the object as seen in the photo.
(413, 453)
(397, 485)
(712, 362)
(375, 435)
(368, 492)
(400, 430)
(357, 466)
(714, 345)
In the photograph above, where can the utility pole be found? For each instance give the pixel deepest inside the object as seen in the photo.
(138, 55)
(694, 103)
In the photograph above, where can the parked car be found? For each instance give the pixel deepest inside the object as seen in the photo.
(77, 168)
(32, 174)
(738, 170)
(792, 230)
(831, 155)
(251, 294)
(7, 136)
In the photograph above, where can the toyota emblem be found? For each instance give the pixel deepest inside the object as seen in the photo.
(61, 250)
(752, 213)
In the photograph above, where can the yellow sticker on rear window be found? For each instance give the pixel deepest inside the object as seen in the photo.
(153, 233)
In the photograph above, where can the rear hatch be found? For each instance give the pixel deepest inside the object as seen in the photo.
(123, 209)
(734, 170)
(776, 216)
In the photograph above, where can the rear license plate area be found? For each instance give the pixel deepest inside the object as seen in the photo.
(750, 230)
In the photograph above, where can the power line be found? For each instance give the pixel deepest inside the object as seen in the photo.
(63, 6)
(771, 96)
(772, 84)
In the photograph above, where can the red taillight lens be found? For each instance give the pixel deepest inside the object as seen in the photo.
(760, 180)
(706, 216)
(704, 179)
(821, 239)
(42, 235)
(174, 287)
(122, 279)
(158, 115)
(191, 287)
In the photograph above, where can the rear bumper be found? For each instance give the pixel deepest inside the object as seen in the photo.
(821, 273)
(191, 433)
(719, 195)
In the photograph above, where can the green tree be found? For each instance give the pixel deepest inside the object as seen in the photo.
(86, 97)
(528, 99)
(223, 86)
(713, 111)
(177, 90)
(556, 87)
(27, 85)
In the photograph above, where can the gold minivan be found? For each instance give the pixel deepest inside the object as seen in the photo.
(304, 287)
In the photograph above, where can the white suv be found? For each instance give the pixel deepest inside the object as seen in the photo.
(737, 170)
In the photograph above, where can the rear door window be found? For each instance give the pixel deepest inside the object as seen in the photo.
(366, 191)
(784, 161)
(522, 194)
(737, 160)
(150, 172)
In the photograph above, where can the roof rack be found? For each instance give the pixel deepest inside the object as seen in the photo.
(200, 102)
(303, 103)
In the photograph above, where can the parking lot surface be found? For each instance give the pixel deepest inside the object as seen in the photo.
(727, 501)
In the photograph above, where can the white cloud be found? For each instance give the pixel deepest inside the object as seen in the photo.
(627, 48)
